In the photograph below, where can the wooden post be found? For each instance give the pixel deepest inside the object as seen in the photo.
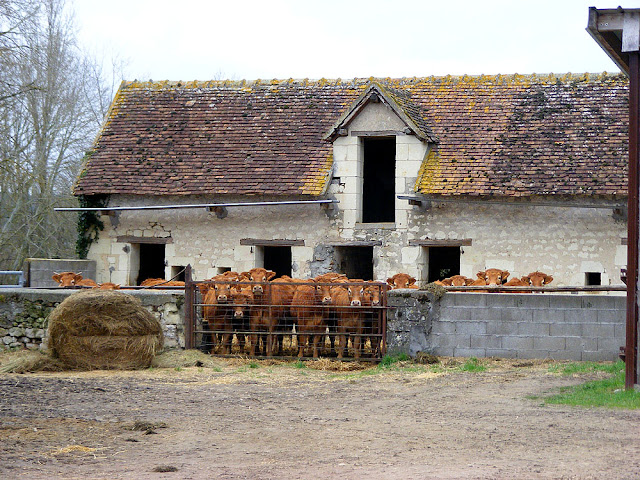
(189, 310)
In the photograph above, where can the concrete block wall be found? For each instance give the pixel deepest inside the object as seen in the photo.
(560, 327)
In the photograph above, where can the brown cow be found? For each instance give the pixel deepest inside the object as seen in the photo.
(72, 279)
(372, 325)
(260, 319)
(216, 312)
(109, 286)
(306, 308)
(494, 276)
(518, 282)
(402, 280)
(539, 279)
(350, 320)
(457, 281)
(161, 282)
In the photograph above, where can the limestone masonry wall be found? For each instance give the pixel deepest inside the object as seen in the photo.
(24, 312)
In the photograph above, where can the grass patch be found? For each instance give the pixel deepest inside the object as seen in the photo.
(253, 365)
(472, 365)
(389, 360)
(607, 393)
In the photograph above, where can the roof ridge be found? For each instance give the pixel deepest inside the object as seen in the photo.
(356, 81)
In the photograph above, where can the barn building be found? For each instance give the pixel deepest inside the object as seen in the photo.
(430, 176)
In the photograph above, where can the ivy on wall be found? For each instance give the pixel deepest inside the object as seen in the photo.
(89, 223)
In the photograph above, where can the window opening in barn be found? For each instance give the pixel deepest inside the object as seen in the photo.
(592, 278)
(444, 262)
(177, 273)
(277, 259)
(355, 262)
(379, 180)
(221, 270)
(152, 261)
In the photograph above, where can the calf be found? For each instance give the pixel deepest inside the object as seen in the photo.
(306, 308)
(457, 281)
(372, 316)
(494, 276)
(72, 279)
(262, 322)
(539, 279)
(402, 280)
(348, 300)
(216, 312)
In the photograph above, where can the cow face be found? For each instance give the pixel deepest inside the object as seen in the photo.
(261, 276)
(356, 294)
(494, 276)
(242, 298)
(372, 294)
(401, 280)
(539, 279)
(66, 279)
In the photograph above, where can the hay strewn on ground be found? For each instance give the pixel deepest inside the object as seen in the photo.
(104, 329)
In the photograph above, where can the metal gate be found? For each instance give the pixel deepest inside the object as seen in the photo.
(286, 319)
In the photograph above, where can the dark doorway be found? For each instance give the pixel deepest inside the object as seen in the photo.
(592, 278)
(444, 262)
(278, 259)
(151, 261)
(355, 262)
(379, 180)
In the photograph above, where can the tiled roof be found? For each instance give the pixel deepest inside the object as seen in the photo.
(498, 135)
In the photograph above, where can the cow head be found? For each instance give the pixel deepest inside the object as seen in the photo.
(261, 276)
(494, 276)
(66, 279)
(401, 280)
(109, 286)
(539, 279)
(372, 293)
(242, 299)
(356, 294)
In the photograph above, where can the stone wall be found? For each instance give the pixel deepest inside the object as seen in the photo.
(560, 327)
(24, 312)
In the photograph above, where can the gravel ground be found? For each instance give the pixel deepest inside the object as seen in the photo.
(258, 420)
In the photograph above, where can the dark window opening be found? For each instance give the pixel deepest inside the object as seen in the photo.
(151, 261)
(592, 278)
(278, 259)
(379, 180)
(444, 262)
(355, 262)
(221, 270)
(177, 273)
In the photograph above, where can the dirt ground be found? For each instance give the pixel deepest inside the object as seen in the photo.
(257, 420)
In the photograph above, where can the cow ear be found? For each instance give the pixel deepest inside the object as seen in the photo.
(77, 277)
(412, 280)
(56, 277)
(446, 281)
(480, 274)
(245, 274)
(390, 281)
(505, 275)
(548, 279)
(270, 274)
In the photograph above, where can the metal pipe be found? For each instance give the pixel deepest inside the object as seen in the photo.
(502, 202)
(189, 294)
(201, 205)
(631, 345)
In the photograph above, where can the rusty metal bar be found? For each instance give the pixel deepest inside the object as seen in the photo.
(189, 312)
(199, 205)
(631, 347)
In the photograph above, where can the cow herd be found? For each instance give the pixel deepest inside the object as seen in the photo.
(498, 277)
(260, 311)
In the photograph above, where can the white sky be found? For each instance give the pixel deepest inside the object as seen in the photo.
(249, 39)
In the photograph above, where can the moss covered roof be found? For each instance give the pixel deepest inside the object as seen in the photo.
(496, 135)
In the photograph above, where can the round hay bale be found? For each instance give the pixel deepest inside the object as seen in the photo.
(104, 329)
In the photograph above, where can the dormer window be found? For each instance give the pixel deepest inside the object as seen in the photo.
(378, 179)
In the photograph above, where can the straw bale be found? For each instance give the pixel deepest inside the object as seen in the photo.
(104, 329)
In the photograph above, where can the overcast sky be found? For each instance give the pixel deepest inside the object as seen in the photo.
(204, 40)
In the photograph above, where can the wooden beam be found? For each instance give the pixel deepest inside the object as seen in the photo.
(259, 242)
(466, 242)
(147, 240)
(355, 243)
(377, 133)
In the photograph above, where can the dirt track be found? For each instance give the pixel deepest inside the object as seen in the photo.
(284, 422)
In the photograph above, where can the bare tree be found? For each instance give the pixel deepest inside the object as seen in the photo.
(52, 101)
